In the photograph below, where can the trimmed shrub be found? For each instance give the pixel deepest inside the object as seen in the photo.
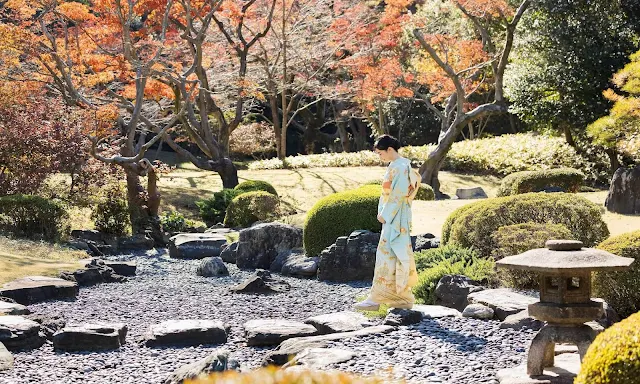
(111, 214)
(340, 214)
(213, 210)
(472, 226)
(250, 207)
(482, 270)
(518, 238)
(430, 257)
(564, 179)
(33, 217)
(174, 221)
(425, 192)
(273, 375)
(614, 356)
(621, 289)
(255, 185)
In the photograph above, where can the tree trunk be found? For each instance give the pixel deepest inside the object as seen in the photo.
(568, 136)
(227, 171)
(344, 136)
(309, 138)
(223, 140)
(613, 160)
(430, 168)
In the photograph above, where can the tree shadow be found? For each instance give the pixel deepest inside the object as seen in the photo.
(462, 342)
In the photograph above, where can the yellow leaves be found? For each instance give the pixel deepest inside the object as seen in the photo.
(25, 9)
(75, 11)
(487, 8)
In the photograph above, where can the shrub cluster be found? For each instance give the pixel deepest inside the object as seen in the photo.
(111, 214)
(33, 217)
(562, 179)
(249, 207)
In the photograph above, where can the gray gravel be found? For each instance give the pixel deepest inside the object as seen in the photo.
(449, 350)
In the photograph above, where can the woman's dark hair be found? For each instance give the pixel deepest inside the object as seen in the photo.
(385, 142)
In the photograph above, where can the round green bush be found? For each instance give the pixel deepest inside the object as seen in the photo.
(33, 217)
(250, 207)
(621, 289)
(255, 185)
(213, 210)
(472, 226)
(340, 214)
(430, 257)
(518, 238)
(565, 179)
(425, 192)
(614, 356)
(111, 214)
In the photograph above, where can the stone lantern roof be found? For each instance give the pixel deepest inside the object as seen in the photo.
(565, 256)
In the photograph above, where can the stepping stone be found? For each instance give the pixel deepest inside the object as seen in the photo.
(35, 289)
(90, 337)
(273, 331)
(218, 361)
(478, 311)
(6, 359)
(196, 245)
(7, 308)
(18, 333)
(418, 313)
(338, 322)
(503, 301)
(122, 268)
(291, 347)
(521, 320)
(261, 282)
(318, 358)
(436, 311)
(186, 333)
(212, 266)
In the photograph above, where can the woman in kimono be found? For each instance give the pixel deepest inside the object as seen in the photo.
(395, 271)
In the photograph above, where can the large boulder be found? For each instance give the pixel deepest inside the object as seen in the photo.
(122, 268)
(624, 192)
(196, 245)
(424, 242)
(452, 291)
(34, 289)
(18, 333)
(212, 266)
(471, 193)
(6, 359)
(218, 361)
(295, 263)
(275, 331)
(90, 337)
(260, 245)
(261, 282)
(229, 253)
(346, 321)
(186, 333)
(503, 301)
(351, 258)
(135, 243)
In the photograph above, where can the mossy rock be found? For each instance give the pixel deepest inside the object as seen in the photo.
(562, 179)
(621, 289)
(255, 185)
(340, 214)
(473, 225)
(614, 356)
(250, 207)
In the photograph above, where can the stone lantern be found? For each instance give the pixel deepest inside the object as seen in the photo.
(565, 303)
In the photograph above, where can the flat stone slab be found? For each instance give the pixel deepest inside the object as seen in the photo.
(436, 311)
(90, 337)
(218, 361)
(196, 245)
(471, 193)
(503, 301)
(186, 333)
(6, 359)
(346, 321)
(18, 333)
(35, 289)
(318, 358)
(7, 308)
(565, 370)
(288, 349)
(122, 268)
(521, 320)
(275, 331)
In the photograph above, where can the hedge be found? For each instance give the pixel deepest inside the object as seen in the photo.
(33, 217)
(564, 179)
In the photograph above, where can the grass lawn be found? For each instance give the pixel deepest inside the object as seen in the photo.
(20, 258)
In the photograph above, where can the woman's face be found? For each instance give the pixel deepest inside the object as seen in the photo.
(385, 154)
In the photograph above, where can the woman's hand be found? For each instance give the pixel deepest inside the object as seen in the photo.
(380, 219)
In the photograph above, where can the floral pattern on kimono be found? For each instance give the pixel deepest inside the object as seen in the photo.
(395, 271)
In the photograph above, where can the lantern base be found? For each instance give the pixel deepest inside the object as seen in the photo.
(565, 370)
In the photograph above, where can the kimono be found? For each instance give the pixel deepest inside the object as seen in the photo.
(395, 271)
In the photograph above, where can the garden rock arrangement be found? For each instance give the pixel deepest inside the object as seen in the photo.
(34, 289)
(260, 245)
(96, 272)
(176, 321)
(18, 333)
(196, 245)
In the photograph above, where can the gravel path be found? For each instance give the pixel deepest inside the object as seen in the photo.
(449, 350)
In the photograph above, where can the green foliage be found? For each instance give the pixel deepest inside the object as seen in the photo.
(425, 192)
(431, 257)
(274, 375)
(174, 221)
(256, 185)
(213, 210)
(472, 225)
(340, 214)
(250, 207)
(566, 179)
(33, 217)
(614, 356)
(111, 214)
(621, 289)
(476, 268)
(518, 238)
